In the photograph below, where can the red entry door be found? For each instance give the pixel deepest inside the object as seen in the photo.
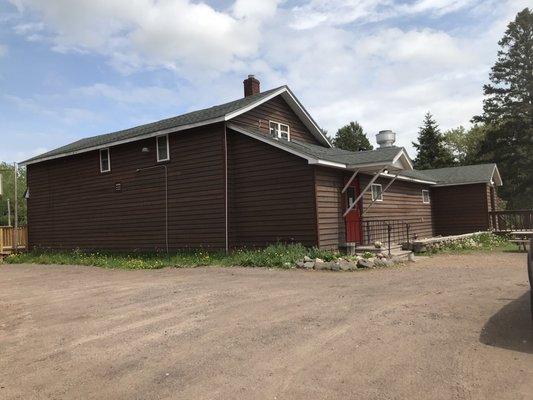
(353, 218)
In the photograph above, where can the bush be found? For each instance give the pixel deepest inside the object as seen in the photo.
(275, 256)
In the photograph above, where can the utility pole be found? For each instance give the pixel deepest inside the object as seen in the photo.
(15, 230)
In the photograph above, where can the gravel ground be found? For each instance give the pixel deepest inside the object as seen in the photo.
(446, 327)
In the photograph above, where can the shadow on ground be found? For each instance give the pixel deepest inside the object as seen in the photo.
(511, 327)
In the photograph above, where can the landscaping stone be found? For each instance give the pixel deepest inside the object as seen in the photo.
(318, 260)
(300, 264)
(307, 259)
(323, 265)
(384, 262)
(364, 263)
(335, 266)
(346, 265)
(309, 264)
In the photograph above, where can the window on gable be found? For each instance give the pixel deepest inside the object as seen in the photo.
(425, 196)
(279, 130)
(377, 192)
(163, 153)
(105, 161)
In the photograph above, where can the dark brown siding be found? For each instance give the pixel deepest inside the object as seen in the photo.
(460, 209)
(277, 110)
(402, 202)
(331, 232)
(271, 195)
(73, 205)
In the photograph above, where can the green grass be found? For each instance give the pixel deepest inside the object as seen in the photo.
(480, 243)
(274, 256)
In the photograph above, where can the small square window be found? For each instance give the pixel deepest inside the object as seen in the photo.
(377, 192)
(425, 196)
(105, 161)
(163, 153)
(280, 131)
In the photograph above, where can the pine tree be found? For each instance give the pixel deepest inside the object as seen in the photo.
(508, 111)
(432, 152)
(352, 137)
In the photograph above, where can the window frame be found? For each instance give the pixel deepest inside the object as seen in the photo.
(102, 170)
(380, 198)
(157, 148)
(429, 197)
(280, 124)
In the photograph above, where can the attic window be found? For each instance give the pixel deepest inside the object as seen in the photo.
(425, 196)
(105, 160)
(279, 130)
(377, 192)
(163, 153)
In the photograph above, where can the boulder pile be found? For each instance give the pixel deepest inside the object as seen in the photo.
(350, 263)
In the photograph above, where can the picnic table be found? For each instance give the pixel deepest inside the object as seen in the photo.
(521, 238)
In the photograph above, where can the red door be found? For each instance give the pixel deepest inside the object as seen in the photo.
(353, 218)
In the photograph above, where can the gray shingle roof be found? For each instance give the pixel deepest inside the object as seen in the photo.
(455, 175)
(194, 117)
(384, 155)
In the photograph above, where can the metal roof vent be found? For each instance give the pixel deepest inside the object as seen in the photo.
(386, 138)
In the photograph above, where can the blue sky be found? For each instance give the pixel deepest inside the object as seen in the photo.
(70, 71)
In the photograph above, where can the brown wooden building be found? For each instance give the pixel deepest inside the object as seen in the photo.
(248, 173)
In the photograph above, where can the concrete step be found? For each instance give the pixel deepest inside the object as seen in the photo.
(372, 249)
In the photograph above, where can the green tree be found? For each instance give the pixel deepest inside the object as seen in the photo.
(7, 172)
(431, 148)
(352, 137)
(464, 144)
(508, 110)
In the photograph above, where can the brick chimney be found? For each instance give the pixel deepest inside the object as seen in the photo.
(251, 86)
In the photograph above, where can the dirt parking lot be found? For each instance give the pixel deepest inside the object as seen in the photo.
(447, 327)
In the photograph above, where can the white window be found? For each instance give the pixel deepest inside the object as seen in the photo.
(105, 160)
(279, 130)
(163, 153)
(425, 196)
(377, 192)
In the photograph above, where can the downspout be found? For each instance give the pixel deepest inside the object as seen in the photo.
(226, 231)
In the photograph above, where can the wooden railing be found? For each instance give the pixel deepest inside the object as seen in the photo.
(7, 235)
(511, 220)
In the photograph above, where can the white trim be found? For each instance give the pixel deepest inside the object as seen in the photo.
(328, 163)
(423, 198)
(406, 178)
(157, 148)
(380, 198)
(119, 142)
(350, 181)
(496, 172)
(460, 184)
(240, 111)
(382, 191)
(102, 170)
(280, 124)
(376, 176)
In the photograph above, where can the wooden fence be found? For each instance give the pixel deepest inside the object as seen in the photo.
(511, 220)
(7, 235)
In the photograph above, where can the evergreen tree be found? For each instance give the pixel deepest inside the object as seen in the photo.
(351, 137)
(508, 109)
(7, 172)
(432, 152)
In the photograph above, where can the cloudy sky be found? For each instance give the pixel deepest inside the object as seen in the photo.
(70, 69)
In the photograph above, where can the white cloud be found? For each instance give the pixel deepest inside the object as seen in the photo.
(177, 34)
(130, 94)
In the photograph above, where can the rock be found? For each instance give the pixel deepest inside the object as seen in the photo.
(384, 263)
(318, 260)
(307, 259)
(324, 265)
(309, 264)
(300, 264)
(335, 266)
(364, 263)
(346, 265)
(378, 244)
